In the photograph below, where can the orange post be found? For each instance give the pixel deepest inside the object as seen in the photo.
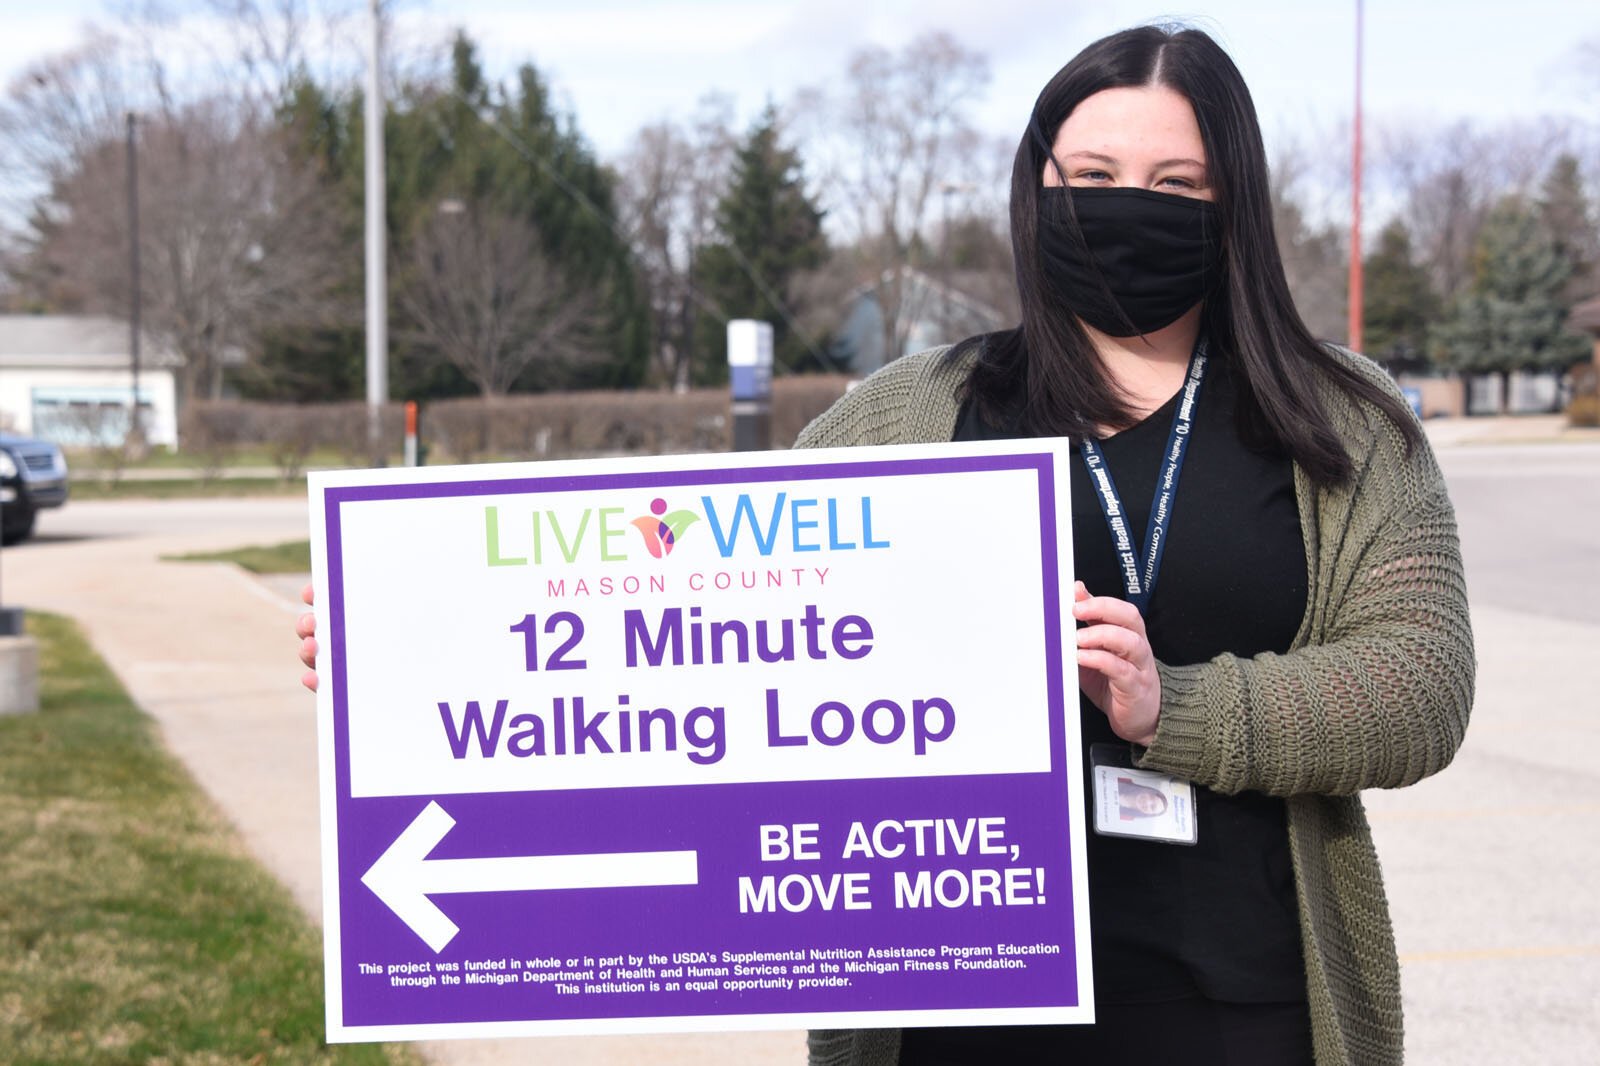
(1356, 278)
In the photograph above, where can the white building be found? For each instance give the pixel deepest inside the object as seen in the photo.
(69, 379)
(932, 312)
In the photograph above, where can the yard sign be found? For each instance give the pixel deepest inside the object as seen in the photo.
(700, 743)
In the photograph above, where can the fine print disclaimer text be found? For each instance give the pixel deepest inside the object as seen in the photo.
(795, 969)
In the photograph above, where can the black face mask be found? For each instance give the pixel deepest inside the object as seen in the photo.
(1158, 253)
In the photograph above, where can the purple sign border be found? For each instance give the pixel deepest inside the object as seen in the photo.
(335, 497)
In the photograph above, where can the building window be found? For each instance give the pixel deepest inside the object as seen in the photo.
(86, 416)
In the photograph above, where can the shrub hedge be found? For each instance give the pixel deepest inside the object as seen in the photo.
(562, 425)
(214, 430)
(1584, 408)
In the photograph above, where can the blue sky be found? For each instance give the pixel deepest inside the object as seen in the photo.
(621, 63)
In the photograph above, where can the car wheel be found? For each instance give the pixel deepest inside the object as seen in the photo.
(17, 525)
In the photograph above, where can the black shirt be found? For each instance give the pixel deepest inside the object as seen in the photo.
(1218, 919)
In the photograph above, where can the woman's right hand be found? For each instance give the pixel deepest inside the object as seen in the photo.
(305, 627)
(1116, 668)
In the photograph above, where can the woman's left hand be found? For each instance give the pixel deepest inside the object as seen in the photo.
(1116, 668)
(305, 627)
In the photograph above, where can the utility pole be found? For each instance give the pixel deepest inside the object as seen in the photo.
(1356, 279)
(377, 280)
(135, 292)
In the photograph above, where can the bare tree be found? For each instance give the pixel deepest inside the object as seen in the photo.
(1447, 179)
(64, 107)
(1313, 247)
(885, 144)
(235, 237)
(269, 41)
(973, 248)
(257, 49)
(1440, 180)
(60, 109)
(484, 296)
(670, 184)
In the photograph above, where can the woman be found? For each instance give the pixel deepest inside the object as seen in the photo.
(1139, 801)
(1308, 637)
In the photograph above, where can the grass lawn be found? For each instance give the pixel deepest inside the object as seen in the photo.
(291, 558)
(133, 926)
(185, 488)
(162, 458)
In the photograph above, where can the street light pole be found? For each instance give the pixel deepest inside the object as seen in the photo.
(377, 280)
(135, 292)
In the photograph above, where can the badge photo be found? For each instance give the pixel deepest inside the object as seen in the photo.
(1129, 802)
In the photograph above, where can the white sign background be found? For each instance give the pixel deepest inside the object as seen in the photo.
(427, 620)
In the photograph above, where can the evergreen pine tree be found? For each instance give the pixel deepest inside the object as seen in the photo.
(466, 144)
(545, 170)
(1512, 316)
(327, 362)
(768, 231)
(1399, 304)
(1570, 220)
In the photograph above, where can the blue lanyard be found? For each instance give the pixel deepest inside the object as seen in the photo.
(1140, 581)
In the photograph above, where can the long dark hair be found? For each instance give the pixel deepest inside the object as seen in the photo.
(1044, 377)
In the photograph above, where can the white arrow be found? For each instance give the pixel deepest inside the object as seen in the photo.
(404, 877)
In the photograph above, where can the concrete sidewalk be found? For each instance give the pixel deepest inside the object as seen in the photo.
(1507, 429)
(208, 651)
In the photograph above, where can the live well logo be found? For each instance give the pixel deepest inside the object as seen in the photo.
(541, 537)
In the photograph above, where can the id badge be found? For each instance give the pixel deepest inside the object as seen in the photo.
(1130, 802)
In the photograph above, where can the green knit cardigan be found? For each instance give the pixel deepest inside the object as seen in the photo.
(1374, 693)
